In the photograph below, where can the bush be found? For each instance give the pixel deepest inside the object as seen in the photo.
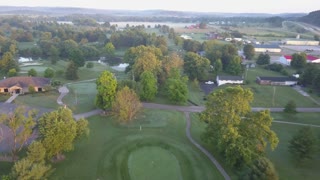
(90, 65)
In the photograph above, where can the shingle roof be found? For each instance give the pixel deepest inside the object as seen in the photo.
(277, 79)
(24, 81)
(235, 78)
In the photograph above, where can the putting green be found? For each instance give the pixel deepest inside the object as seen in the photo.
(153, 163)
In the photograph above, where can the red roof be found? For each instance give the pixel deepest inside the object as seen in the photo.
(288, 57)
(311, 58)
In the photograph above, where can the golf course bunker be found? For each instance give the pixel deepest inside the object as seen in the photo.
(152, 162)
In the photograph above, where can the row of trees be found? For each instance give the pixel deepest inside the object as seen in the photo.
(58, 131)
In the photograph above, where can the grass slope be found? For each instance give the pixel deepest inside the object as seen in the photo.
(106, 153)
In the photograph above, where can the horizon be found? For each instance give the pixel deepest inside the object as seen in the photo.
(226, 6)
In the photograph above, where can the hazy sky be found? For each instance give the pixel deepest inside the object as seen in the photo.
(243, 6)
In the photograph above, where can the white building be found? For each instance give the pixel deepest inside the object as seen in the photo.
(221, 80)
(267, 48)
(300, 42)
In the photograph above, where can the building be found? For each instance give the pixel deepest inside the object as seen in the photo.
(221, 80)
(263, 48)
(278, 81)
(300, 42)
(21, 84)
(286, 59)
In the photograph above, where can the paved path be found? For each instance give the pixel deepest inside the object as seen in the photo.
(63, 92)
(14, 96)
(88, 114)
(202, 149)
(293, 123)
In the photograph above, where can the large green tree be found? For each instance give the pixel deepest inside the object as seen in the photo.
(148, 86)
(248, 51)
(234, 67)
(58, 131)
(263, 59)
(72, 71)
(196, 67)
(146, 62)
(302, 146)
(261, 169)
(109, 49)
(299, 60)
(239, 134)
(176, 88)
(32, 72)
(7, 62)
(106, 86)
(20, 128)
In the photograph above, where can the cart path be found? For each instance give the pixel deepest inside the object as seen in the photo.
(202, 149)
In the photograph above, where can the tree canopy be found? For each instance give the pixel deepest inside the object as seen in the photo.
(106, 86)
(196, 67)
(248, 51)
(239, 134)
(148, 86)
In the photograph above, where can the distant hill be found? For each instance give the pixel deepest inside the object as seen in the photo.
(148, 13)
(312, 18)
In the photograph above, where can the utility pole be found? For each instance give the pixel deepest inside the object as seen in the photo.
(274, 93)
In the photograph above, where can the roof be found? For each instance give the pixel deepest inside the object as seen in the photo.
(277, 79)
(269, 46)
(24, 81)
(234, 78)
(288, 57)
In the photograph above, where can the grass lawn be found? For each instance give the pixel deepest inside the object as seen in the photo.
(305, 118)
(42, 99)
(280, 157)
(196, 95)
(115, 151)
(81, 97)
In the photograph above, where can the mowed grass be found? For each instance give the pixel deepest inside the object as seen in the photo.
(106, 153)
(81, 96)
(158, 164)
(305, 118)
(41, 99)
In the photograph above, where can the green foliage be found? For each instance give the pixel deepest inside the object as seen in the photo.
(106, 86)
(263, 59)
(248, 51)
(298, 60)
(89, 65)
(36, 152)
(7, 63)
(239, 134)
(20, 126)
(26, 170)
(195, 66)
(58, 131)
(234, 67)
(49, 73)
(31, 89)
(12, 72)
(309, 73)
(82, 128)
(146, 62)
(77, 56)
(110, 50)
(32, 72)
(148, 86)
(126, 105)
(72, 71)
(302, 146)
(177, 90)
(290, 107)
(261, 169)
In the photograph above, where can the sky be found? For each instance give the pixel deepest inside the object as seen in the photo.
(235, 6)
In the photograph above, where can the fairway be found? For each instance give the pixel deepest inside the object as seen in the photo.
(122, 152)
(158, 164)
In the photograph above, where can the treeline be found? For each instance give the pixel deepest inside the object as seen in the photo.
(312, 18)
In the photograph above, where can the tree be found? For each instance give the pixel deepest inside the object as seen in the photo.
(217, 66)
(33, 166)
(302, 146)
(195, 66)
(176, 89)
(298, 60)
(32, 72)
(49, 73)
(20, 127)
(72, 71)
(58, 131)
(106, 86)
(31, 89)
(248, 51)
(126, 105)
(148, 86)
(261, 169)
(290, 107)
(239, 134)
(146, 62)
(173, 61)
(54, 54)
(234, 67)
(76, 55)
(12, 72)
(110, 50)
(263, 59)
(316, 37)
(89, 65)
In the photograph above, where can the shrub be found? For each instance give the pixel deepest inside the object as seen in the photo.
(90, 65)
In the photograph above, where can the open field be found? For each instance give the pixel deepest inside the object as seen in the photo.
(115, 151)
(306, 118)
(280, 157)
(41, 99)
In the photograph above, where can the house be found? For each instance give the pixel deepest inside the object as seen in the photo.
(229, 80)
(273, 48)
(300, 42)
(20, 85)
(286, 59)
(279, 81)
